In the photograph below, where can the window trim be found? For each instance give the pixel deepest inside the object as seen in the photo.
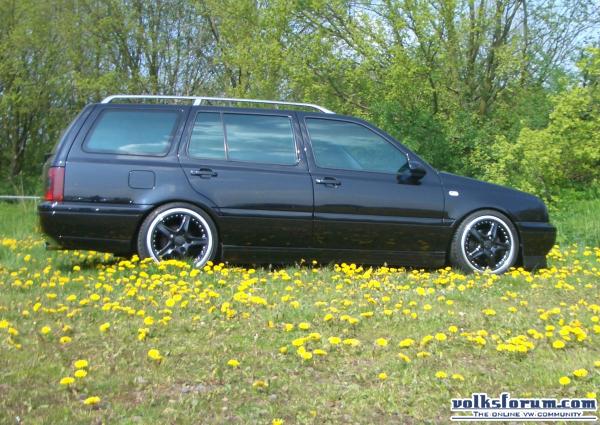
(84, 145)
(227, 159)
(381, 136)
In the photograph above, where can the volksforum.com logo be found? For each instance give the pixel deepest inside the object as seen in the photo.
(482, 408)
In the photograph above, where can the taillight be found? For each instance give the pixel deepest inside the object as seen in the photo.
(56, 184)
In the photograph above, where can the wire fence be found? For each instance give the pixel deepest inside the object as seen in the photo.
(18, 198)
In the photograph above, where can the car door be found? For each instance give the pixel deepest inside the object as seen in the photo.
(360, 201)
(249, 165)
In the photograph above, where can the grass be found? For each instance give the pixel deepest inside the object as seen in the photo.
(202, 319)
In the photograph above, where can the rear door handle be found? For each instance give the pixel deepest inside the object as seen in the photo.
(205, 173)
(328, 181)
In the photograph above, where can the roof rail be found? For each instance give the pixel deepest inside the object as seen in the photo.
(198, 100)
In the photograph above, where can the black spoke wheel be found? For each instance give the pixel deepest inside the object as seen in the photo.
(486, 240)
(178, 231)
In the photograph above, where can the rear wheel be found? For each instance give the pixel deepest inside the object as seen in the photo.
(485, 240)
(178, 231)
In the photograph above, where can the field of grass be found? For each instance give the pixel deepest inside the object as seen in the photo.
(339, 344)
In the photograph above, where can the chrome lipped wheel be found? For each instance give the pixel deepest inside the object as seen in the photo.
(488, 243)
(180, 233)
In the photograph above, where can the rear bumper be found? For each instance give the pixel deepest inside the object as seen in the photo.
(89, 225)
(537, 239)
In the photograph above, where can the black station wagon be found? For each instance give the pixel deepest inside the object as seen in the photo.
(206, 182)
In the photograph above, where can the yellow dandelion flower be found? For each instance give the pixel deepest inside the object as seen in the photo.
(304, 326)
(441, 374)
(155, 355)
(80, 364)
(558, 344)
(80, 373)
(404, 357)
(90, 401)
(382, 376)
(233, 363)
(441, 337)
(45, 330)
(457, 377)
(564, 380)
(65, 339)
(334, 340)
(580, 373)
(319, 352)
(382, 342)
(104, 327)
(67, 380)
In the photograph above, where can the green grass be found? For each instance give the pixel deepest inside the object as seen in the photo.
(227, 313)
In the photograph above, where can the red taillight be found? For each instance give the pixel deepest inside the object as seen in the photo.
(56, 184)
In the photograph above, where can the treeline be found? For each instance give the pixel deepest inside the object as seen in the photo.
(505, 90)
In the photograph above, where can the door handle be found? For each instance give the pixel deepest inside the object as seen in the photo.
(205, 173)
(328, 181)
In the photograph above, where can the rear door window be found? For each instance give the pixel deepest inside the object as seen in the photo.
(264, 139)
(132, 132)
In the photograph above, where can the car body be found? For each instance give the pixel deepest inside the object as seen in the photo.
(283, 185)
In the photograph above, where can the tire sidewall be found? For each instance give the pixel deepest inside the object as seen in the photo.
(457, 252)
(144, 234)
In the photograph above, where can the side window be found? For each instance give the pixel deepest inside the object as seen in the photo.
(132, 132)
(350, 146)
(207, 139)
(266, 139)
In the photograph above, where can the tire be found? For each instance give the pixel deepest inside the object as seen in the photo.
(485, 240)
(178, 231)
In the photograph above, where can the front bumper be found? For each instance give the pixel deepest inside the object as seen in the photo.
(537, 239)
(92, 226)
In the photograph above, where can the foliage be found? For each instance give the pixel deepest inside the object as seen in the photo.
(455, 80)
(566, 153)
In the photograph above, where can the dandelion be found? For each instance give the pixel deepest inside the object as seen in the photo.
(67, 380)
(404, 357)
(405, 343)
(334, 340)
(260, 384)
(154, 354)
(381, 342)
(91, 401)
(233, 363)
(319, 352)
(580, 373)
(304, 326)
(591, 395)
(80, 364)
(45, 330)
(80, 373)
(441, 374)
(65, 340)
(104, 327)
(457, 377)
(564, 380)
(382, 376)
(558, 344)
(283, 350)
(452, 329)
(277, 421)
(441, 337)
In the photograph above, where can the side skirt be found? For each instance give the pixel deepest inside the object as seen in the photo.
(277, 255)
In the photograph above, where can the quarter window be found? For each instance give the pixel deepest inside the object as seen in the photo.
(128, 132)
(349, 146)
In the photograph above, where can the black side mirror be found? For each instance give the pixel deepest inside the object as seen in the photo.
(411, 172)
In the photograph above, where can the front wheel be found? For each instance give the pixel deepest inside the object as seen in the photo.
(485, 240)
(178, 231)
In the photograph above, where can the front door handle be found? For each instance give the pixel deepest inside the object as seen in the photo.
(328, 181)
(205, 173)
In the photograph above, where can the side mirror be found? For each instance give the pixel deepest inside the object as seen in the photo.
(411, 172)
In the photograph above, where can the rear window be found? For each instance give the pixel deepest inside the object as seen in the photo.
(129, 132)
(264, 139)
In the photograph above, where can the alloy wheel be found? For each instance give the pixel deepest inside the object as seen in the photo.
(488, 244)
(180, 233)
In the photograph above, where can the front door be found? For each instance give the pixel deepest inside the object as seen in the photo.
(361, 205)
(249, 165)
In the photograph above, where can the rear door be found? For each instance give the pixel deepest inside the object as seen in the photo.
(360, 204)
(249, 163)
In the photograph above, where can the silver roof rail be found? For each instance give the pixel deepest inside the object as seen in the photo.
(198, 100)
